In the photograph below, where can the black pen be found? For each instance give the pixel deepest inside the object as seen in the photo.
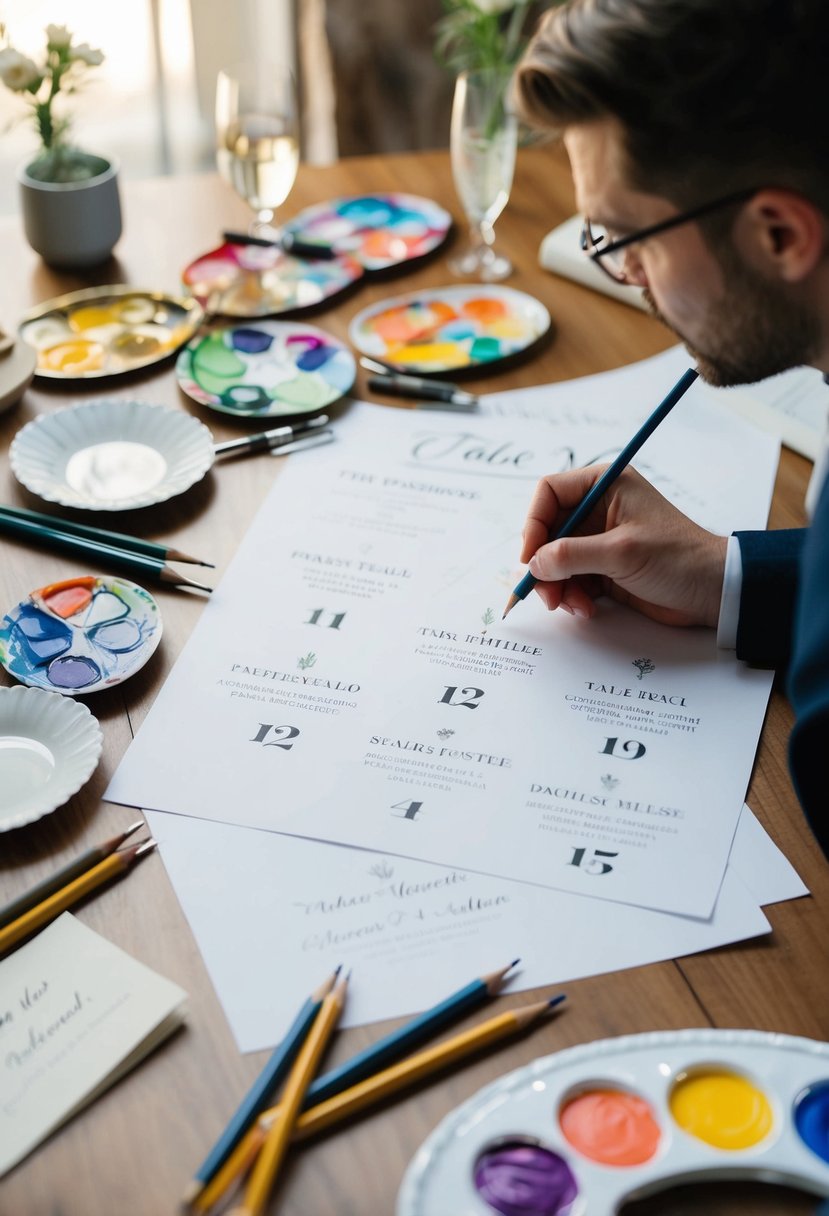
(266, 441)
(403, 384)
(287, 242)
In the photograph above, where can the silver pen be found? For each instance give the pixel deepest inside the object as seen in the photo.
(268, 441)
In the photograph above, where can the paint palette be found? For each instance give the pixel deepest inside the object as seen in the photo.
(259, 281)
(81, 635)
(581, 1132)
(106, 331)
(271, 369)
(50, 747)
(379, 230)
(449, 328)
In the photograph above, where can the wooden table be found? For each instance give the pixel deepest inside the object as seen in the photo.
(133, 1152)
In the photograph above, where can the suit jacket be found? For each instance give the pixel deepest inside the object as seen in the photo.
(784, 622)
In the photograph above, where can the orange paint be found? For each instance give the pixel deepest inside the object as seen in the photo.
(67, 598)
(610, 1126)
(75, 356)
(484, 309)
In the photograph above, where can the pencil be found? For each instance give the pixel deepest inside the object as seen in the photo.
(128, 562)
(592, 497)
(261, 1091)
(46, 911)
(65, 875)
(266, 1167)
(374, 1089)
(362, 1065)
(118, 540)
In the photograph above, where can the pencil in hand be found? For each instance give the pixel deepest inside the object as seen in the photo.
(610, 475)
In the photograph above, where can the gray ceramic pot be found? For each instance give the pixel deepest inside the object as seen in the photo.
(72, 224)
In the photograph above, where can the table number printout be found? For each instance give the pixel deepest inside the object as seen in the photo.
(306, 642)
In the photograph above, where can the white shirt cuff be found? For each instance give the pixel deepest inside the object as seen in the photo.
(732, 586)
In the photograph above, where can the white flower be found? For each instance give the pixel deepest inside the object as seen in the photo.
(17, 71)
(58, 37)
(494, 6)
(86, 54)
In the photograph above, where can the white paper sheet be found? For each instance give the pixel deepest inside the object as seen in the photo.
(294, 644)
(413, 932)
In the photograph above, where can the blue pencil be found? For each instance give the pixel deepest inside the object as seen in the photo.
(581, 512)
(260, 1093)
(401, 1041)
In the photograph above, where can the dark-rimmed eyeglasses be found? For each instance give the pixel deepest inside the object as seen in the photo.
(608, 253)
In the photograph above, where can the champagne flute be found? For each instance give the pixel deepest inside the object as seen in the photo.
(483, 141)
(257, 137)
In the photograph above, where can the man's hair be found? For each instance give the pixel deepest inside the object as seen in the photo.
(712, 95)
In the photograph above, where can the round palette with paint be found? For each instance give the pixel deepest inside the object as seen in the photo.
(260, 281)
(449, 328)
(49, 747)
(106, 331)
(270, 369)
(581, 1132)
(379, 230)
(111, 455)
(81, 635)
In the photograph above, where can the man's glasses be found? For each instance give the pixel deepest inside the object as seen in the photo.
(609, 253)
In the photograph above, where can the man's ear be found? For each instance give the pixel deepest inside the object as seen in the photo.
(783, 233)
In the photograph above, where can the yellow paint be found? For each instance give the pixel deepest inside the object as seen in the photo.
(721, 1108)
(73, 357)
(423, 354)
(91, 317)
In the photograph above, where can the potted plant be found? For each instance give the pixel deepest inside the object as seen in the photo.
(69, 198)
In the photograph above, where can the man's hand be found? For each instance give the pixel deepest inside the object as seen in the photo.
(635, 547)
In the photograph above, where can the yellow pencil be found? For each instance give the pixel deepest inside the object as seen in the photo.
(372, 1090)
(48, 909)
(270, 1156)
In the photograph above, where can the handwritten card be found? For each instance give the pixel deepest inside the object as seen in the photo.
(76, 1013)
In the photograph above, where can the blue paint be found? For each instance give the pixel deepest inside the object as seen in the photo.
(73, 671)
(811, 1118)
(251, 341)
(41, 637)
(312, 360)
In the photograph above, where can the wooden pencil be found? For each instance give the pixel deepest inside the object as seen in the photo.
(64, 876)
(46, 911)
(266, 1167)
(118, 540)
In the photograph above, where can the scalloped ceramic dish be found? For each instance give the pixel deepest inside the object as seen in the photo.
(267, 369)
(49, 748)
(449, 328)
(379, 230)
(111, 455)
(581, 1132)
(81, 635)
(106, 331)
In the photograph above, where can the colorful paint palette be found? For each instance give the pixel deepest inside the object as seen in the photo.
(272, 368)
(581, 1132)
(449, 328)
(379, 230)
(49, 746)
(106, 331)
(81, 635)
(111, 455)
(258, 281)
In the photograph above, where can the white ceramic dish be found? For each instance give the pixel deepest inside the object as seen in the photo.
(111, 455)
(17, 369)
(49, 747)
(656, 1109)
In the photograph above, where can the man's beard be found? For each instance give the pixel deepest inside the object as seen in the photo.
(753, 332)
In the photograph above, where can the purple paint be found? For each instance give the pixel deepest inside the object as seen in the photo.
(811, 1118)
(73, 671)
(520, 1177)
(117, 636)
(251, 341)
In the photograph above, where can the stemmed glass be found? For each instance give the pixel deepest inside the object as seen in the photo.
(482, 142)
(257, 137)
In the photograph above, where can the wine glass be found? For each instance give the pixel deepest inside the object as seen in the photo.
(482, 142)
(257, 137)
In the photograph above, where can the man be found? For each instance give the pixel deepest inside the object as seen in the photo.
(696, 136)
